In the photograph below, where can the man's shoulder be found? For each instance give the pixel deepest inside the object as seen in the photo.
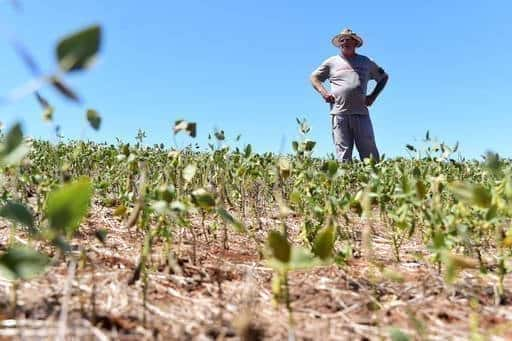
(364, 58)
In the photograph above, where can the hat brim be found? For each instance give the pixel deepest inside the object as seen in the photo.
(336, 39)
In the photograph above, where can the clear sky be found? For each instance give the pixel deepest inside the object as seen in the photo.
(244, 66)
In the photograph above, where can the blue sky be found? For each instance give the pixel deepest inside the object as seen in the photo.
(244, 67)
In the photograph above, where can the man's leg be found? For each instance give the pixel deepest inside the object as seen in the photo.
(343, 137)
(364, 137)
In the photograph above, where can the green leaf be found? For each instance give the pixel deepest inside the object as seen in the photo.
(482, 197)
(66, 206)
(247, 151)
(13, 139)
(219, 135)
(323, 244)
(398, 335)
(78, 50)
(65, 90)
(295, 197)
(472, 193)
(280, 247)
(309, 145)
(189, 127)
(410, 147)
(22, 263)
(492, 161)
(302, 259)
(231, 220)
(94, 119)
(18, 213)
(330, 168)
(492, 212)
(12, 148)
(189, 171)
(203, 199)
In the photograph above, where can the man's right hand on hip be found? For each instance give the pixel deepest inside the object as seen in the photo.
(329, 98)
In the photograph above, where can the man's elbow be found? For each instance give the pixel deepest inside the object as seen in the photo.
(384, 79)
(314, 79)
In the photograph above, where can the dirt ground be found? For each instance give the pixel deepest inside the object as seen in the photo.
(227, 294)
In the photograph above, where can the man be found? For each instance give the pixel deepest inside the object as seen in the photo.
(348, 74)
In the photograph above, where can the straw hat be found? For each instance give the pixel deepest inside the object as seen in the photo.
(346, 33)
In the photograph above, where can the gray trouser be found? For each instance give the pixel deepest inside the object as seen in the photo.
(347, 129)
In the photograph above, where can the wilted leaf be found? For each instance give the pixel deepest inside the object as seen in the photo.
(48, 114)
(134, 214)
(189, 171)
(66, 206)
(48, 110)
(455, 263)
(231, 220)
(78, 50)
(285, 168)
(393, 275)
(284, 210)
(324, 242)
(22, 263)
(94, 118)
(281, 249)
(203, 199)
(178, 206)
(160, 206)
(120, 211)
(189, 127)
(421, 189)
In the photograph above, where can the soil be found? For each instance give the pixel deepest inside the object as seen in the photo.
(227, 293)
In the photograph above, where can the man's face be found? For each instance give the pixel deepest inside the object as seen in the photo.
(348, 45)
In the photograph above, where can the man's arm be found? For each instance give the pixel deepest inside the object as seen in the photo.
(318, 85)
(378, 88)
